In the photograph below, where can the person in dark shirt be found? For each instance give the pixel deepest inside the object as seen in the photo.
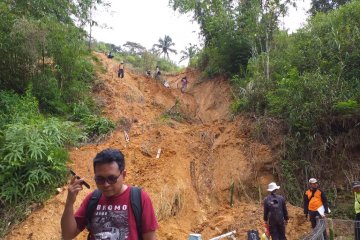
(275, 213)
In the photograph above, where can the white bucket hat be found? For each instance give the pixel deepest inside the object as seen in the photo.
(272, 186)
(313, 180)
(356, 184)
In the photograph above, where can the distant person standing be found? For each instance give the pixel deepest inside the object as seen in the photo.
(184, 83)
(157, 73)
(121, 70)
(356, 189)
(315, 203)
(275, 213)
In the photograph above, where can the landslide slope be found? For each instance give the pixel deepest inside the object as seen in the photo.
(203, 152)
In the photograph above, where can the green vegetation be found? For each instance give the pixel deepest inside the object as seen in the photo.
(309, 79)
(46, 76)
(164, 46)
(135, 55)
(189, 53)
(314, 86)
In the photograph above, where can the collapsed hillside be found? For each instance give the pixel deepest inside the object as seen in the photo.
(204, 151)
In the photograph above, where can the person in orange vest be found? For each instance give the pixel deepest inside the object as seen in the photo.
(314, 201)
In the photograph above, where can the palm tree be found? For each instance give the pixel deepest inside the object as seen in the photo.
(189, 52)
(164, 46)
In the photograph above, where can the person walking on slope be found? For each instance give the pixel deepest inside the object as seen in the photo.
(121, 70)
(157, 73)
(113, 215)
(315, 204)
(184, 83)
(275, 213)
(356, 188)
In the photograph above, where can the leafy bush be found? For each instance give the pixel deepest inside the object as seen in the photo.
(166, 65)
(33, 157)
(80, 111)
(45, 88)
(16, 108)
(32, 153)
(347, 107)
(96, 126)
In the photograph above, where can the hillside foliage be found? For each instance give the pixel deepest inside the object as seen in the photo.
(310, 79)
(46, 78)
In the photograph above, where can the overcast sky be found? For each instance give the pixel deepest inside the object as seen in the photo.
(145, 21)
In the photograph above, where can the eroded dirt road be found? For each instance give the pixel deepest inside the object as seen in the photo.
(202, 154)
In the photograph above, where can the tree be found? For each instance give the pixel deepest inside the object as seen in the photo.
(164, 46)
(325, 5)
(189, 52)
(86, 14)
(134, 48)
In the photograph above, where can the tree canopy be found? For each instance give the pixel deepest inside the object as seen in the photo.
(164, 46)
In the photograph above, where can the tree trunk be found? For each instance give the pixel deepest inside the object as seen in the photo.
(90, 12)
(267, 45)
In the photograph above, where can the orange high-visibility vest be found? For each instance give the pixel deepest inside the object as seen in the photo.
(315, 202)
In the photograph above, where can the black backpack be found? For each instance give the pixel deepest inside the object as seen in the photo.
(276, 214)
(253, 235)
(135, 200)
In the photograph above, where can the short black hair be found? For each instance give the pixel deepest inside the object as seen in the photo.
(110, 155)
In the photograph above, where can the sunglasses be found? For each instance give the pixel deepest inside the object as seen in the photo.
(110, 179)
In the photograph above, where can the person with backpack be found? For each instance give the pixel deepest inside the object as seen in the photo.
(113, 211)
(253, 235)
(356, 189)
(315, 204)
(121, 70)
(275, 213)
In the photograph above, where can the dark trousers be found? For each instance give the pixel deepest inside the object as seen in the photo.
(277, 231)
(121, 73)
(357, 227)
(314, 216)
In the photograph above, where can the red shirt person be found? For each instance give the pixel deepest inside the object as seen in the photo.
(113, 216)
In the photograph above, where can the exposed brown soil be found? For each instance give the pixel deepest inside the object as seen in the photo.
(201, 156)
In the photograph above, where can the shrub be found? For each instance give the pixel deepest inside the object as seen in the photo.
(96, 126)
(16, 108)
(33, 157)
(347, 107)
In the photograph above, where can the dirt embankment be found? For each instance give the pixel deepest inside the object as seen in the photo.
(203, 154)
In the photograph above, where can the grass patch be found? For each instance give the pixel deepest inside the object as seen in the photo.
(170, 203)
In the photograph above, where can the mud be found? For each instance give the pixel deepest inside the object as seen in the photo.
(203, 153)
